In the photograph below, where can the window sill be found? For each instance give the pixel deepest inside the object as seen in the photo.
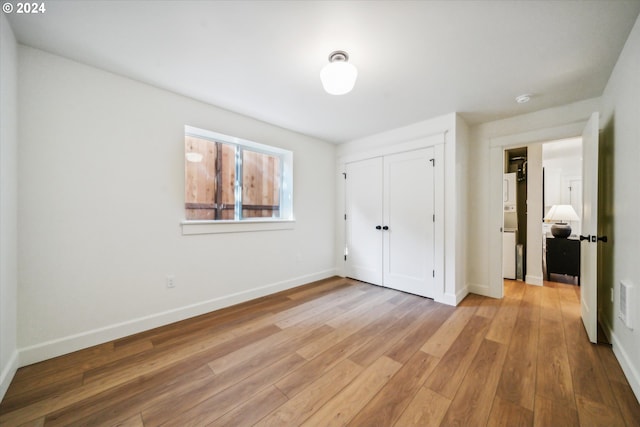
(217, 227)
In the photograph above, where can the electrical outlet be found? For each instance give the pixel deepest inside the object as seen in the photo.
(171, 281)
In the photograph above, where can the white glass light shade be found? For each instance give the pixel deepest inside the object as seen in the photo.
(338, 77)
(562, 213)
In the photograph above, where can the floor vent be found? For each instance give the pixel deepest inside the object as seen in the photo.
(624, 312)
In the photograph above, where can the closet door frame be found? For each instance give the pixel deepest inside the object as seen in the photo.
(438, 142)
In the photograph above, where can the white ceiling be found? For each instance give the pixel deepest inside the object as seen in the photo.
(561, 149)
(416, 59)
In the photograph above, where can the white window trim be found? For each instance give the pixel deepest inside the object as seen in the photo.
(190, 227)
(244, 226)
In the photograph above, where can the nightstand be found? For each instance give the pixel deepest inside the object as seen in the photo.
(563, 257)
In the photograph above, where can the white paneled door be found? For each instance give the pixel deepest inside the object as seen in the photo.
(364, 215)
(589, 238)
(399, 236)
(408, 243)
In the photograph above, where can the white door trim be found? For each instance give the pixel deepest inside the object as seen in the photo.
(496, 208)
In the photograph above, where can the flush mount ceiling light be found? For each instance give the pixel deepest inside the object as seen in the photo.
(338, 76)
(523, 98)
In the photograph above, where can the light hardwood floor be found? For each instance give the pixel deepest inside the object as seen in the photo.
(341, 352)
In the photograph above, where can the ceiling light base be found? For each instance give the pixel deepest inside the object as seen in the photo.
(338, 55)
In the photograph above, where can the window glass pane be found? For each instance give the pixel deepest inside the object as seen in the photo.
(228, 178)
(200, 184)
(210, 174)
(261, 177)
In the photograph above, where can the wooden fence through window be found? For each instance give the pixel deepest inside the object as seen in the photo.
(210, 182)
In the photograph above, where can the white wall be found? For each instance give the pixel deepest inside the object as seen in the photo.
(101, 170)
(620, 117)
(452, 281)
(461, 225)
(534, 215)
(8, 205)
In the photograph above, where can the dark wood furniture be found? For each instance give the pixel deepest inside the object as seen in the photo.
(563, 257)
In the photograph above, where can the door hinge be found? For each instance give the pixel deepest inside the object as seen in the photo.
(434, 217)
(433, 162)
(344, 174)
(345, 257)
(434, 273)
(345, 217)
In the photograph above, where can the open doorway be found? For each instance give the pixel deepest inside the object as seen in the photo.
(538, 177)
(523, 165)
(562, 201)
(514, 230)
(591, 234)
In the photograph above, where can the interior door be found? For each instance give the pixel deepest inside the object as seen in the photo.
(364, 216)
(589, 242)
(408, 225)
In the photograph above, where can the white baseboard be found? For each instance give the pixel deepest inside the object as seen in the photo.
(478, 289)
(453, 299)
(627, 365)
(8, 373)
(47, 350)
(630, 371)
(533, 280)
(606, 327)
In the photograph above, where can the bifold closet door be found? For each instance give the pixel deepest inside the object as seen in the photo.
(408, 200)
(364, 214)
(389, 221)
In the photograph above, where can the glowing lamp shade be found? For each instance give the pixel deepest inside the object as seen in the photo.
(338, 76)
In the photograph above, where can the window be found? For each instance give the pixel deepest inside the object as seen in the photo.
(230, 179)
